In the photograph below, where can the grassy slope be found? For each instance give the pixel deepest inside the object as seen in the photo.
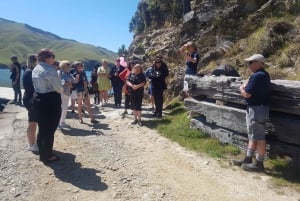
(20, 39)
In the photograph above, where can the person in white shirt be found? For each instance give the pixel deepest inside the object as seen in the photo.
(47, 103)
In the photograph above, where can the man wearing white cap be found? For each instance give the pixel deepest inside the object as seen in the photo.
(256, 93)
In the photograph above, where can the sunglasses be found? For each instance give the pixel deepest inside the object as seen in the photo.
(251, 62)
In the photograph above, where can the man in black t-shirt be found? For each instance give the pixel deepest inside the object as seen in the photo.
(15, 78)
(256, 93)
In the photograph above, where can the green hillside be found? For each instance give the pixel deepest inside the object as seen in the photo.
(21, 39)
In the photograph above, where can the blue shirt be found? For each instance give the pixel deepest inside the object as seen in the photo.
(66, 77)
(259, 88)
(82, 83)
(191, 68)
(148, 73)
(45, 79)
(27, 84)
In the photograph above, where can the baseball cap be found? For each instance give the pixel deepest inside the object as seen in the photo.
(256, 57)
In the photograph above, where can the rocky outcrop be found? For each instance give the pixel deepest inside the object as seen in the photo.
(225, 32)
(219, 111)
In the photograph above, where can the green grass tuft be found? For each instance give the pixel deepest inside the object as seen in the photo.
(175, 125)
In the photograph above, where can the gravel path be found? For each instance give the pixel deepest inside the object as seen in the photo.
(115, 160)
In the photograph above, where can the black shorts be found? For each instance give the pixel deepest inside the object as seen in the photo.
(32, 114)
(136, 101)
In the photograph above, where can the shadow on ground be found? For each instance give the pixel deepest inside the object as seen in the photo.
(96, 129)
(70, 171)
(3, 103)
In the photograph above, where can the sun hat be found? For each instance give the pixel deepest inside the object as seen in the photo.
(256, 57)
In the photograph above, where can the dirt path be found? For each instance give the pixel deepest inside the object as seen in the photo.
(117, 161)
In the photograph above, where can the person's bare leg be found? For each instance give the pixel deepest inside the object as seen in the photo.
(261, 147)
(31, 131)
(79, 109)
(88, 107)
(105, 96)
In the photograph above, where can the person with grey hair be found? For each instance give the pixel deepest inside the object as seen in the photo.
(67, 80)
(47, 103)
(256, 92)
(27, 101)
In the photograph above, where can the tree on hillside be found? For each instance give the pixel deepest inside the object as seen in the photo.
(155, 13)
(123, 51)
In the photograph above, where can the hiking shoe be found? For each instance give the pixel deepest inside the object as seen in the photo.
(140, 123)
(258, 166)
(246, 160)
(135, 121)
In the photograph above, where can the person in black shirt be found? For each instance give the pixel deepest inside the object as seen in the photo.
(159, 73)
(28, 102)
(82, 91)
(135, 85)
(116, 82)
(256, 93)
(94, 83)
(15, 78)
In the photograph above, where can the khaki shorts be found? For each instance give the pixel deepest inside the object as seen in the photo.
(74, 95)
(256, 118)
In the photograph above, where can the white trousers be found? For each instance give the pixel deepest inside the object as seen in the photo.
(64, 107)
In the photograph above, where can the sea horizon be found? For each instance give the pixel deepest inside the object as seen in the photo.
(5, 81)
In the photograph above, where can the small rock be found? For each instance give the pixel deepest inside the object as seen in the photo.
(206, 163)
(114, 195)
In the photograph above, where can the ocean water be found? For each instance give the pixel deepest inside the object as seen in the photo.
(6, 82)
(4, 78)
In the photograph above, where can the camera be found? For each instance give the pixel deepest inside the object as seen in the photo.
(155, 73)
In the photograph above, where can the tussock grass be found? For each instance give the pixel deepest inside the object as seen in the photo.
(175, 125)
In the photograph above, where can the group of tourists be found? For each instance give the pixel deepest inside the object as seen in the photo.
(49, 85)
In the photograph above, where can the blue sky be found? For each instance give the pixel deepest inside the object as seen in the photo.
(98, 22)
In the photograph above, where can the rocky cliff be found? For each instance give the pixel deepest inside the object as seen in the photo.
(225, 32)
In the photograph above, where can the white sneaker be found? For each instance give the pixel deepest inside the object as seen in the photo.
(33, 148)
